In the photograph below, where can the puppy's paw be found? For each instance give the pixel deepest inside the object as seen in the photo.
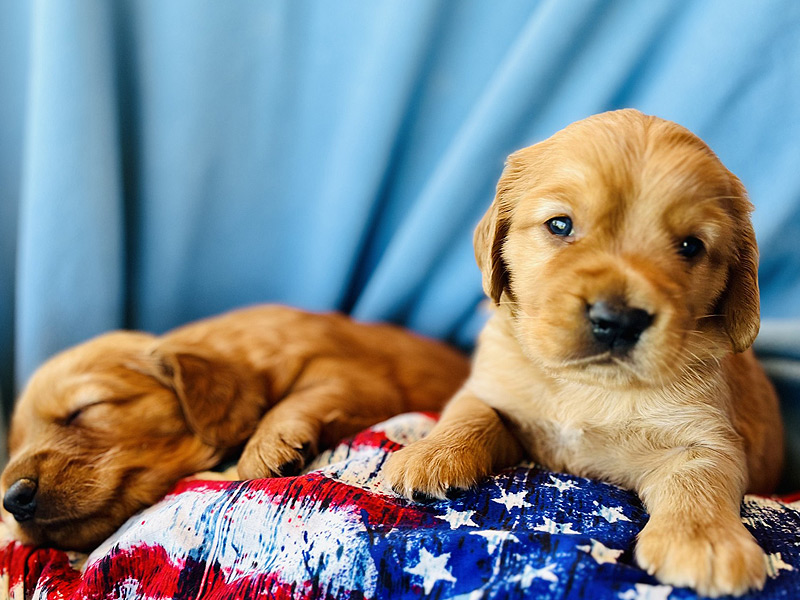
(426, 470)
(277, 454)
(715, 560)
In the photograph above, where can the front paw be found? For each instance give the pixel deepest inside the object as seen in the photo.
(426, 470)
(715, 559)
(276, 454)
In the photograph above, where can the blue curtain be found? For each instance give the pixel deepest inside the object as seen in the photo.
(163, 161)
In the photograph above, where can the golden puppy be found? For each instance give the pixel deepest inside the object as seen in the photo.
(107, 427)
(622, 261)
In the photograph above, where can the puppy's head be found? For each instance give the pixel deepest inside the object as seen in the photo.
(622, 249)
(104, 429)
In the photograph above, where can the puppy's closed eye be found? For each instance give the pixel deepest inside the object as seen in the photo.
(95, 412)
(73, 418)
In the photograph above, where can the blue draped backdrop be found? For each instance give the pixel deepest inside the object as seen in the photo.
(163, 161)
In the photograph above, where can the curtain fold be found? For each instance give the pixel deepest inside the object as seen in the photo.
(69, 282)
(14, 40)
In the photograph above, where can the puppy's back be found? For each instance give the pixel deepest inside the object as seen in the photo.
(283, 341)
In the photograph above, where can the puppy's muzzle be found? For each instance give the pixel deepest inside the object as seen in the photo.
(615, 325)
(20, 499)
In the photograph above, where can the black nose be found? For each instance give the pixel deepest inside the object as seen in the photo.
(616, 325)
(20, 499)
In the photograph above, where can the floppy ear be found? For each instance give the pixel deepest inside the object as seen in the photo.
(222, 403)
(490, 235)
(488, 242)
(739, 306)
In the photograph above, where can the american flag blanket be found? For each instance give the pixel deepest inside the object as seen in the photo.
(337, 532)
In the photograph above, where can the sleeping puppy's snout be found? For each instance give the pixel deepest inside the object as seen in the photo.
(615, 326)
(94, 438)
(20, 499)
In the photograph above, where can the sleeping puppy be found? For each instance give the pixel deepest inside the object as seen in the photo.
(104, 429)
(621, 259)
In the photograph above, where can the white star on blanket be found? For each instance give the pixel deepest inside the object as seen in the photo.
(601, 553)
(612, 514)
(511, 501)
(529, 574)
(776, 564)
(495, 538)
(561, 485)
(644, 591)
(432, 569)
(550, 526)
(456, 518)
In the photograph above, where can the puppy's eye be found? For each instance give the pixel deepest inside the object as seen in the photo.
(560, 226)
(72, 418)
(690, 247)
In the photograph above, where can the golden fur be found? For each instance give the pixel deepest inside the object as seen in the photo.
(107, 427)
(687, 418)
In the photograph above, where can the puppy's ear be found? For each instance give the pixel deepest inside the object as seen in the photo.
(488, 241)
(221, 402)
(490, 235)
(739, 305)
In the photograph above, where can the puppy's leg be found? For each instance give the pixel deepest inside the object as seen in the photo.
(291, 432)
(695, 535)
(469, 442)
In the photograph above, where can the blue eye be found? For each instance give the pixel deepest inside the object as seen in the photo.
(690, 247)
(560, 226)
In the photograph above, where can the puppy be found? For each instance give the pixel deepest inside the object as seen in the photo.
(621, 259)
(104, 429)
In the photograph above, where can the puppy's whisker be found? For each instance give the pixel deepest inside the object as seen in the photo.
(625, 365)
(576, 362)
(693, 355)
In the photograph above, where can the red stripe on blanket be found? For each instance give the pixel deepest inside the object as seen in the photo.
(31, 566)
(790, 497)
(385, 512)
(374, 439)
(150, 573)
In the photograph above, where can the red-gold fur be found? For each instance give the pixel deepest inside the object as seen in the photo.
(688, 418)
(108, 426)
